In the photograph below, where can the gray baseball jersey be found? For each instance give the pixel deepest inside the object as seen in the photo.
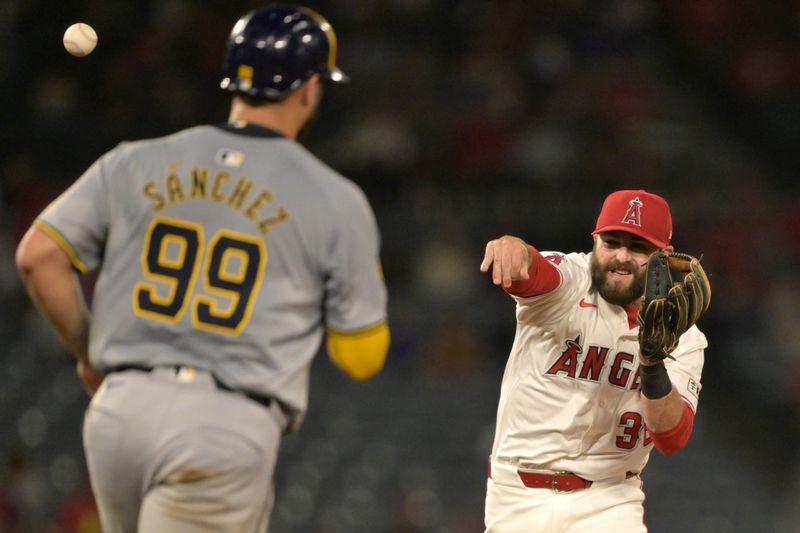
(218, 245)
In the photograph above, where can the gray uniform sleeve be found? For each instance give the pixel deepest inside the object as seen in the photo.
(355, 290)
(79, 218)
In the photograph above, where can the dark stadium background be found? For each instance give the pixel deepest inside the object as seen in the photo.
(464, 120)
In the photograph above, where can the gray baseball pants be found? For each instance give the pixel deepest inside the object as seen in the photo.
(170, 451)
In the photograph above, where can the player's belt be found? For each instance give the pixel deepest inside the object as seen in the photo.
(263, 400)
(557, 481)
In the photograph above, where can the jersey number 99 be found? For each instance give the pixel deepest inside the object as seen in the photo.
(232, 268)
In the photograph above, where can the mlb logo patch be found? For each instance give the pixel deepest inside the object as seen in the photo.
(693, 387)
(230, 158)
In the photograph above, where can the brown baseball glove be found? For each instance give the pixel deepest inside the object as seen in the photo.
(676, 294)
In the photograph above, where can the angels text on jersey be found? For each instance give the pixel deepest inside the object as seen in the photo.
(592, 366)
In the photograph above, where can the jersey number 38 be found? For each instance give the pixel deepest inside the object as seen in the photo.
(175, 253)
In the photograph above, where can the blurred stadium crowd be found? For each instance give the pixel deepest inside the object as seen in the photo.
(464, 120)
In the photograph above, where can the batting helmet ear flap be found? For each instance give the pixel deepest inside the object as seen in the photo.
(272, 51)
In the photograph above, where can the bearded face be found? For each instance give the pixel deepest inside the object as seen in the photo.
(619, 283)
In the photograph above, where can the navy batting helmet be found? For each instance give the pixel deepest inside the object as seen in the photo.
(272, 51)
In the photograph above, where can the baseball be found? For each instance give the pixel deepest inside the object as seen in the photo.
(80, 39)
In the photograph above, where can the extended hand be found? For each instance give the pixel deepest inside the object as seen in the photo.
(511, 259)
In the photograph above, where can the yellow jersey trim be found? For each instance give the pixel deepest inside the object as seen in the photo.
(356, 332)
(46, 228)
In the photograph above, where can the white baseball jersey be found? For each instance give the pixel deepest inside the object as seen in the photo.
(570, 397)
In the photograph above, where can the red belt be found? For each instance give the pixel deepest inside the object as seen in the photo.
(559, 482)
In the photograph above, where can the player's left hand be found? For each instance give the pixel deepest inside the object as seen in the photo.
(90, 377)
(511, 259)
(676, 294)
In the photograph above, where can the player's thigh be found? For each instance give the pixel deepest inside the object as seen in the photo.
(519, 509)
(614, 508)
(215, 478)
(115, 460)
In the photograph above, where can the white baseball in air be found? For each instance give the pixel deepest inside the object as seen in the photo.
(80, 39)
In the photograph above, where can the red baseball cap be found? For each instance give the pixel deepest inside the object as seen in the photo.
(639, 212)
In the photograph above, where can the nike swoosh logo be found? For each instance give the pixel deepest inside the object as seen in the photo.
(584, 303)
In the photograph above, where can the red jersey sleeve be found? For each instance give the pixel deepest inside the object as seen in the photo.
(673, 440)
(543, 277)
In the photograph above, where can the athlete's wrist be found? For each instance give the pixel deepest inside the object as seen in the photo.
(530, 251)
(655, 381)
(646, 362)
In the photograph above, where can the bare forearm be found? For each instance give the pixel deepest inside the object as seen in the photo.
(54, 289)
(57, 296)
(668, 418)
(664, 413)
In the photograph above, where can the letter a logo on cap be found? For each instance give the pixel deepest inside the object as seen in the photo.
(622, 211)
(634, 214)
